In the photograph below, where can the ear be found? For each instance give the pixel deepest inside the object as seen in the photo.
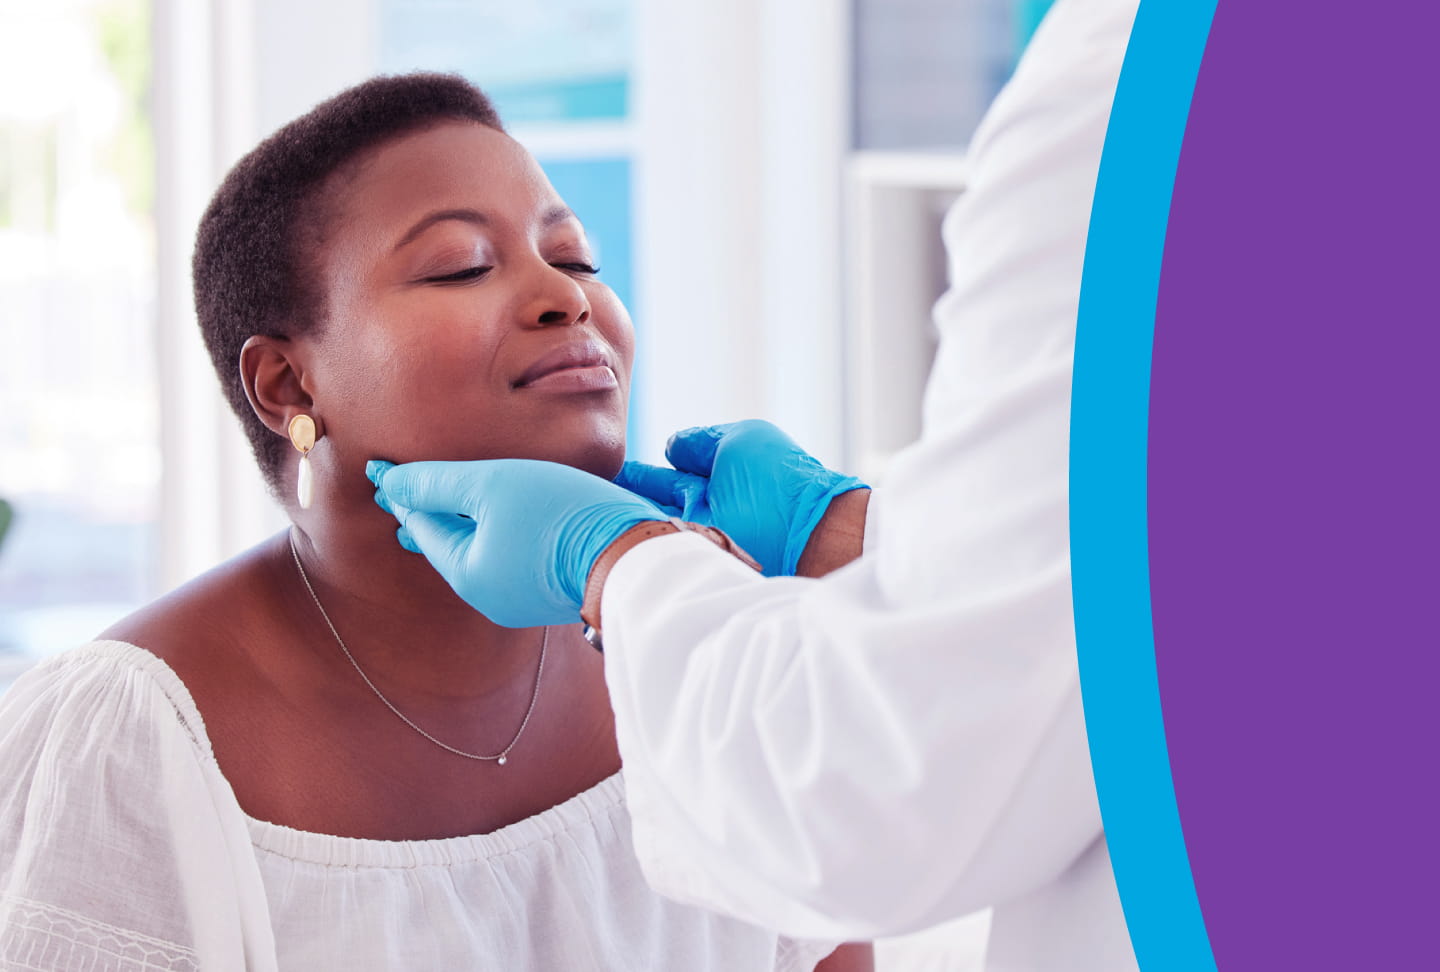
(273, 374)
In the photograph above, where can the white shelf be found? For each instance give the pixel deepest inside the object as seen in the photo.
(895, 205)
(580, 140)
(926, 171)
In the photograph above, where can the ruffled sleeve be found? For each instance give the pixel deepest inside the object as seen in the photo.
(121, 845)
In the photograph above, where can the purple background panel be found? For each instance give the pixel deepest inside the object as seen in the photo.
(1294, 485)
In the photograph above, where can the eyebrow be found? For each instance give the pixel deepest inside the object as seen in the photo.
(553, 215)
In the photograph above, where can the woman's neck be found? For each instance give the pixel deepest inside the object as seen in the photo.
(400, 621)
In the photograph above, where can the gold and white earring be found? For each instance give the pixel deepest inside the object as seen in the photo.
(302, 437)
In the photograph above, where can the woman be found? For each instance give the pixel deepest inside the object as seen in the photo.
(316, 756)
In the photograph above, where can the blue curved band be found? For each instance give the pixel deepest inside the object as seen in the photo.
(1109, 542)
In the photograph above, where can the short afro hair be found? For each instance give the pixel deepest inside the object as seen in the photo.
(253, 267)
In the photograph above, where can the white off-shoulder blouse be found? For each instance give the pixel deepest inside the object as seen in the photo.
(122, 847)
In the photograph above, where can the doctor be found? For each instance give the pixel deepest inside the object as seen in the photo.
(900, 742)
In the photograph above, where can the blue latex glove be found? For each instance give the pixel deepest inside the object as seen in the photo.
(748, 479)
(530, 531)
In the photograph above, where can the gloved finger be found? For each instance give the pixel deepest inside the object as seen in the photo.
(375, 467)
(434, 487)
(385, 504)
(443, 538)
(655, 483)
(693, 450)
(693, 495)
(406, 540)
(400, 513)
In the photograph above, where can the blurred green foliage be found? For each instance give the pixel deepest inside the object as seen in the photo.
(28, 161)
(7, 513)
(124, 33)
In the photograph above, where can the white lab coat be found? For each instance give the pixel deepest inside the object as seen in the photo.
(902, 742)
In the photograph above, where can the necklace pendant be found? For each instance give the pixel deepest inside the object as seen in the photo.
(501, 760)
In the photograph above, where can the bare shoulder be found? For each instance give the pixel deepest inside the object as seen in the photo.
(209, 617)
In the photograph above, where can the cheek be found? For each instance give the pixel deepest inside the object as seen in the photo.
(373, 367)
(613, 322)
(408, 377)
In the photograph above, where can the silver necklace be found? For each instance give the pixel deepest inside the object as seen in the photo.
(500, 757)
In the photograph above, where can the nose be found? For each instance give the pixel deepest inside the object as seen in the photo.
(557, 299)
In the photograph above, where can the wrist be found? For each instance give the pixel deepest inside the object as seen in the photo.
(839, 537)
(609, 557)
(633, 537)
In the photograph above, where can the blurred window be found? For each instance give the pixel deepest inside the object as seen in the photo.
(79, 444)
(926, 70)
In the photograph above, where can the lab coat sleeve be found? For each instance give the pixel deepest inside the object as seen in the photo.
(901, 742)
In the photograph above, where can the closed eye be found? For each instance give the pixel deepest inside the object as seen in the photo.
(461, 276)
(584, 268)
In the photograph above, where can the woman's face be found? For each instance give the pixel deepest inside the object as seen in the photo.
(463, 317)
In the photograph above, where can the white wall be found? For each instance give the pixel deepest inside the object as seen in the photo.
(741, 113)
(306, 52)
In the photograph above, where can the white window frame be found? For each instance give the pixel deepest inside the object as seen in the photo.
(226, 72)
(742, 113)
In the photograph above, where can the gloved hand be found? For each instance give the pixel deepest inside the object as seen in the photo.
(530, 531)
(748, 479)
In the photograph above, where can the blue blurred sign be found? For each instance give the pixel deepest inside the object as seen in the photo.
(598, 191)
(556, 60)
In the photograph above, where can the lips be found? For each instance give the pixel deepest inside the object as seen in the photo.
(579, 355)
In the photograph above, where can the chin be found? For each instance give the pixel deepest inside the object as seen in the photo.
(598, 455)
(604, 462)
(596, 447)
